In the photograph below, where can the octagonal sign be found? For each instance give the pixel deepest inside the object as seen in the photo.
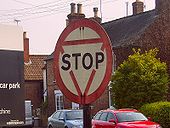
(83, 61)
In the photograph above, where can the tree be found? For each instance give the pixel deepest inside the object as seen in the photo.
(140, 79)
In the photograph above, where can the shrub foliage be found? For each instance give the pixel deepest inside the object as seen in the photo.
(141, 79)
(159, 112)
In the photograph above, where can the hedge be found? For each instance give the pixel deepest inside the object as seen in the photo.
(159, 112)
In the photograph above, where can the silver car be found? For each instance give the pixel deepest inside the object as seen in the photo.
(66, 119)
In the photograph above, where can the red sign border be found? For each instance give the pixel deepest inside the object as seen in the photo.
(107, 45)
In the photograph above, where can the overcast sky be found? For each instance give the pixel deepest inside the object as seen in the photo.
(44, 20)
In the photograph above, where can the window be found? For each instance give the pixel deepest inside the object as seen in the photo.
(111, 116)
(58, 99)
(75, 105)
(130, 116)
(61, 115)
(103, 116)
(74, 115)
(56, 115)
(97, 116)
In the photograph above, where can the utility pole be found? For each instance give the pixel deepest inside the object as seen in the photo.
(101, 8)
(127, 8)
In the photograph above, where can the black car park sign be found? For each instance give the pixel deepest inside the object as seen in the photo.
(12, 111)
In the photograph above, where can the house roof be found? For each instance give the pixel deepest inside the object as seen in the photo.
(125, 30)
(33, 70)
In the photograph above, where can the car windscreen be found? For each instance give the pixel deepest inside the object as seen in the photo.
(130, 116)
(73, 115)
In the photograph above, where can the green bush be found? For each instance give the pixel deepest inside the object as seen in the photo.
(159, 112)
(140, 79)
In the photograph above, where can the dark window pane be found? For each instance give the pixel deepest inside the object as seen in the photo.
(97, 116)
(130, 116)
(111, 116)
(56, 115)
(71, 115)
(61, 115)
(103, 116)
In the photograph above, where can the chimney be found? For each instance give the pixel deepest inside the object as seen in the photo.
(26, 48)
(162, 5)
(96, 17)
(73, 15)
(95, 10)
(73, 8)
(138, 7)
(79, 8)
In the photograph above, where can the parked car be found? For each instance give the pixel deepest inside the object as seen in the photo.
(66, 119)
(122, 118)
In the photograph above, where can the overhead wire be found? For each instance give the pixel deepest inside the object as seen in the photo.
(21, 2)
(13, 11)
(42, 10)
(55, 4)
(54, 10)
(99, 4)
(35, 10)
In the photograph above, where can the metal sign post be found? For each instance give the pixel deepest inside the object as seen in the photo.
(87, 116)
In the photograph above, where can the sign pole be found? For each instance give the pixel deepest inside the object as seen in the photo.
(87, 116)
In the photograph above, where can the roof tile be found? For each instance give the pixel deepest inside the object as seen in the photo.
(33, 70)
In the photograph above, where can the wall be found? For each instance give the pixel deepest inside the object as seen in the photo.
(34, 92)
(50, 87)
(101, 103)
(158, 36)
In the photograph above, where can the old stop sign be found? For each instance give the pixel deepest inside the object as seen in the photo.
(83, 61)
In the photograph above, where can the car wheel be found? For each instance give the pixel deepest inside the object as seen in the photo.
(50, 126)
(65, 127)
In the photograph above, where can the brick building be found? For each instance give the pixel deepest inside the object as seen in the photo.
(145, 30)
(33, 76)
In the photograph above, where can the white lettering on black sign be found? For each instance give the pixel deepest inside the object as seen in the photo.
(15, 122)
(10, 86)
(4, 111)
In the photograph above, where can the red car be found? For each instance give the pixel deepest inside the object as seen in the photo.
(122, 118)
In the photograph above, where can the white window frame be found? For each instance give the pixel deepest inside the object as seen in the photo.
(75, 105)
(59, 103)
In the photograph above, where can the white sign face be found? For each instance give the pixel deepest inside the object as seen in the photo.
(83, 61)
(87, 58)
(11, 38)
